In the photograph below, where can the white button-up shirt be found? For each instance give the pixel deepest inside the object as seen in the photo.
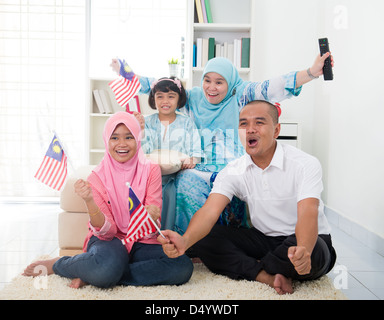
(272, 194)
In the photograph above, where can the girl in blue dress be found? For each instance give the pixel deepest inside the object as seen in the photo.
(168, 130)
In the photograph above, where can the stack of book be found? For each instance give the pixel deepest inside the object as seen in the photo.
(203, 13)
(206, 49)
(102, 102)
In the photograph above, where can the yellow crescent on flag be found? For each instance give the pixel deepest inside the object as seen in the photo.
(130, 204)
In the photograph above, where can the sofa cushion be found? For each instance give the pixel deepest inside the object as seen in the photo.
(73, 228)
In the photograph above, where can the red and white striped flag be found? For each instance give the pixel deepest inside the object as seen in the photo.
(141, 223)
(125, 89)
(53, 169)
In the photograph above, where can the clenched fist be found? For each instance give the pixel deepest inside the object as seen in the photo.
(83, 190)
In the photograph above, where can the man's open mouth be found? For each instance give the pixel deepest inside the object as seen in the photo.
(252, 142)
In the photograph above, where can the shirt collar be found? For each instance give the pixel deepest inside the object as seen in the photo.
(278, 157)
(277, 160)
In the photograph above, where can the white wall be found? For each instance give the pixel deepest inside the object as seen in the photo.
(342, 120)
(287, 41)
(355, 153)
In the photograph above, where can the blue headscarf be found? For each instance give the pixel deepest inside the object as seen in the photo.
(225, 114)
(218, 123)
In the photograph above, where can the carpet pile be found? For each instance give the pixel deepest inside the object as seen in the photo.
(204, 285)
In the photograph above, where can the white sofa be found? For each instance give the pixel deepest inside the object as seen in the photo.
(73, 221)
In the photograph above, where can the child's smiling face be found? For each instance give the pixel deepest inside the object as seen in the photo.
(122, 144)
(166, 102)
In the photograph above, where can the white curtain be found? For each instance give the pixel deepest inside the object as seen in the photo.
(42, 77)
(44, 61)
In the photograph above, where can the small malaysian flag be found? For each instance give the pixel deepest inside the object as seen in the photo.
(141, 223)
(53, 169)
(126, 86)
(125, 89)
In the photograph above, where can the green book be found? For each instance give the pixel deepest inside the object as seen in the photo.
(208, 10)
(245, 47)
(211, 48)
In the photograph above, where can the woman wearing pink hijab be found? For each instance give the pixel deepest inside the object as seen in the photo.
(106, 261)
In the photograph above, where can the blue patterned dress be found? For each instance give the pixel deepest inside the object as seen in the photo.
(180, 135)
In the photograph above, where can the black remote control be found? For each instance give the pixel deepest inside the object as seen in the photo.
(327, 69)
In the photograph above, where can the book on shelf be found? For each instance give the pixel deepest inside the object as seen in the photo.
(211, 48)
(99, 103)
(230, 52)
(207, 48)
(203, 12)
(195, 17)
(199, 50)
(209, 11)
(204, 52)
(199, 11)
(245, 47)
(106, 101)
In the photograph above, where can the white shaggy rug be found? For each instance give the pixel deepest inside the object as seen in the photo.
(203, 285)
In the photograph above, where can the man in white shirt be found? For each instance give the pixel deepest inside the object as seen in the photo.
(290, 238)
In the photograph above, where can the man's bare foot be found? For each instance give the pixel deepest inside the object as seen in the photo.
(281, 284)
(77, 283)
(40, 268)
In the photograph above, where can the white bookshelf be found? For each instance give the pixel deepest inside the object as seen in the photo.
(231, 20)
(222, 27)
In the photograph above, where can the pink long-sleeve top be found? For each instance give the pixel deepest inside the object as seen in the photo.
(153, 196)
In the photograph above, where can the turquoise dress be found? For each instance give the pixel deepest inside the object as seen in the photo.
(218, 127)
(181, 135)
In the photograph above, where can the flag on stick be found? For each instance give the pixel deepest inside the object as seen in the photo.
(126, 86)
(53, 169)
(124, 89)
(141, 223)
